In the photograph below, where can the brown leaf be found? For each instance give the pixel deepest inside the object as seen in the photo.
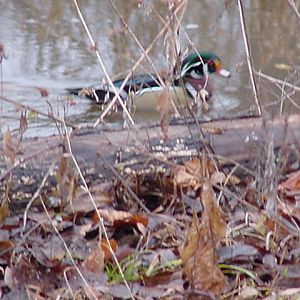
(292, 183)
(190, 243)
(199, 260)
(6, 244)
(213, 217)
(111, 215)
(217, 178)
(95, 262)
(9, 147)
(234, 180)
(4, 213)
(191, 175)
(43, 258)
(105, 248)
(136, 219)
(214, 130)
(82, 203)
(66, 178)
(200, 166)
(183, 178)
(23, 123)
(44, 92)
(140, 222)
(199, 255)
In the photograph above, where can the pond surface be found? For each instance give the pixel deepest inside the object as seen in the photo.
(46, 46)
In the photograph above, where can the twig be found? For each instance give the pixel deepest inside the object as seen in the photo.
(137, 63)
(291, 227)
(160, 79)
(24, 237)
(276, 80)
(227, 179)
(117, 94)
(292, 4)
(27, 107)
(1, 79)
(288, 96)
(138, 43)
(68, 251)
(208, 148)
(67, 282)
(97, 211)
(141, 204)
(36, 194)
(248, 55)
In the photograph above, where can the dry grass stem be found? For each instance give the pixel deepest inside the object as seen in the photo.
(117, 94)
(138, 62)
(68, 251)
(276, 80)
(29, 108)
(248, 56)
(102, 226)
(36, 194)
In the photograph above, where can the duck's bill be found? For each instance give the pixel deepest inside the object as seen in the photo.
(224, 73)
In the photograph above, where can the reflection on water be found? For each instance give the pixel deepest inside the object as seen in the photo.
(48, 47)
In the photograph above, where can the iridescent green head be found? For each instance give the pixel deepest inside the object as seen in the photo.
(199, 64)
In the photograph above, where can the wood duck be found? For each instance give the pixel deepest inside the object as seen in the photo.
(193, 77)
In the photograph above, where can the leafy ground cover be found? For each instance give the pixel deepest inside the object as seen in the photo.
(199, 229)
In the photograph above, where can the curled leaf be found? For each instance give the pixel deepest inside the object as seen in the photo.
(199, 255)
(106, 249)
(22, 123)
(44, 92)
(95, 262)
(4, 213)
(9, 147)
(292, 183)
(199, 258)
(213, 217)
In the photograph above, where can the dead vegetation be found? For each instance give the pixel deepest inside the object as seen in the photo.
(160, 226)
(158, 221)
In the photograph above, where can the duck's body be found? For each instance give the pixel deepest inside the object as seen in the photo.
(193, 78)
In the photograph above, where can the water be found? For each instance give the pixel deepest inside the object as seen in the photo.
(47, 47)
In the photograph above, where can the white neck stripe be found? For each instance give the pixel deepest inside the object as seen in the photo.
(186, 68)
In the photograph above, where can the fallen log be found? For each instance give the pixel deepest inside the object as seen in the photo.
(131, 149)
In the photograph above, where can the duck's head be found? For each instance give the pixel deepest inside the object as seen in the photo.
(195, 69)
(200, 64)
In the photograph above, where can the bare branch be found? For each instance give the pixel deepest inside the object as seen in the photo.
(248, 55)
(293, 6)
(137, 63)
(276, 80)
(102, 226)
(117, 94)
(27, 107)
